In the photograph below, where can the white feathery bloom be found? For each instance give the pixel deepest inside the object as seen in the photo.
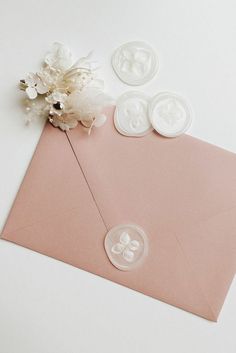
(59, 58)
(88, 106)
(67, 91)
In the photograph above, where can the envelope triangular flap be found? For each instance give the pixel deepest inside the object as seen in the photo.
(53, 198)
(182, 188)
(78, 186)
(55, 213)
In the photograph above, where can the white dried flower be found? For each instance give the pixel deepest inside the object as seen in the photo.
(59, 58)
(68, 81)
(34, 85)
(57, 102)
(66, 91)
(64, 121)
(88, 106)
(57, 111)
(51, 78)
(36, 109)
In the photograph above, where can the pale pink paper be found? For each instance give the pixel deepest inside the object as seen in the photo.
(181, 191)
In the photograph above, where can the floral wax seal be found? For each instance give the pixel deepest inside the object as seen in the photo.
(170, 114)
(135, 63)
(126, 246)
(131, 114)
(65, 91)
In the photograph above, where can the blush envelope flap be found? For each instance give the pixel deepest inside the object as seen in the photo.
(54, 203)
(181, 191)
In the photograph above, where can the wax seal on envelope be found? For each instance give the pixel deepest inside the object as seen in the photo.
(135, 63)
(126, 246)
(170, 114)
(131, 114)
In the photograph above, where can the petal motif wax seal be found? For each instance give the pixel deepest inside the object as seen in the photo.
(135, 63)
(131, 114)
(170, 114)
(126, 246)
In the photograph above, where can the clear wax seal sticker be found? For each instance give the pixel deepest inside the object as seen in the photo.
(170, 114)
(126, 246)
(131, 114)
(135, 63)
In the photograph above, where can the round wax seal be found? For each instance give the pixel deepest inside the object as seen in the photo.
(126, 246)
(135, 63)
(170, 114)
(131, 114)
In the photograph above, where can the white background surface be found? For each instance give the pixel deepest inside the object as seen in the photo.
(47, 306)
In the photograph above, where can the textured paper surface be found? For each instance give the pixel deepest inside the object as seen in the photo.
(181, 191)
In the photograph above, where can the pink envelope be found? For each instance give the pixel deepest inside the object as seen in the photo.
(181, 191)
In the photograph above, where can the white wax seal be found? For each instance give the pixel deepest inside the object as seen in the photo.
(170, 114)
(135, 63)
(131, 114)
(126, 246)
